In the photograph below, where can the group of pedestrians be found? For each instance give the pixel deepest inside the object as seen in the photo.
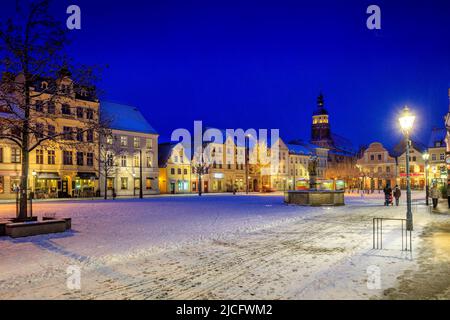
(396, 193)
(390, 193)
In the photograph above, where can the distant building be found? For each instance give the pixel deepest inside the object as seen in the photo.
(133, 149)
(447, 141)
(416, 163)
(378, 168)
(437, 147)
(175, 173)
(341, 162)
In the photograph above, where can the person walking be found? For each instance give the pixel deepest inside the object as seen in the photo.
(434, 194)
(397, 194)
(387, 194)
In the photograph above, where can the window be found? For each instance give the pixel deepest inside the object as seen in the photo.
(14, 184)
(179, 171)
(137, 183)
(39, 156)
(372, 157)
(39, 131)
(80, 112)
(379, 157)
(148, 183)
(2, 184)
(149, 161)
(80, 159)
(123, 141)
(79, 135)
(65, 109)
(433, 157)
(51, 130)
(136, 142)
(442, 156)
(44, 85)
(110, 183)
(15, 155)
(67, 133)
(90, 135)
(51, 109)
(109, 140)
(172, 171)
(414, 158)
(109, 159)
(149, 143)
(380, 169)
(136, 161)
(388, 169)
(51, 156)
(39, 106)
(185, 171)
(89, 114)
(67, 158)
(1, 155)
(123, 161)
(124, 183)
(90, 159)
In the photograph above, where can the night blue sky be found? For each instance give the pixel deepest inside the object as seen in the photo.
(261, 64)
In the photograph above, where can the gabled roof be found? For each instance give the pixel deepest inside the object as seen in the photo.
(125, 117)
(164, 153)
(437, 135)
(400, 147)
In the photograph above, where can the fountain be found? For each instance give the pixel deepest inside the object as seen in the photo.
(314, 196)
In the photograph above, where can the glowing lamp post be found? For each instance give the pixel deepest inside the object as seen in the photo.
(406, 120)
(425, 157)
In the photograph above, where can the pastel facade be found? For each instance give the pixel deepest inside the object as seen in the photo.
(134, 150)
(57, 169)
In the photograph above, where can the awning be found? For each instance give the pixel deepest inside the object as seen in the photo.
(87, 175)
(48, 175)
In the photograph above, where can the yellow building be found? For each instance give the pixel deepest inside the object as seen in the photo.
(174, 169)
(65, 167)
(437, 166)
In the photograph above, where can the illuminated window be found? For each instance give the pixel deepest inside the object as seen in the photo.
(148, 184)
(124, 183)
(136, 142)
(123, 141)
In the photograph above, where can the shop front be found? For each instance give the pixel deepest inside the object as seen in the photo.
(417, 181)
(84, 185)
(46, 185)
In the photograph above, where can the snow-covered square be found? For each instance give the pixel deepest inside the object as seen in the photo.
(224, 247)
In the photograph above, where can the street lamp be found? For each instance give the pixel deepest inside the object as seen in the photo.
(406, 120)
(425, 157)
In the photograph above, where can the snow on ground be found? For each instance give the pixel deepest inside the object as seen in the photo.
(213, 247)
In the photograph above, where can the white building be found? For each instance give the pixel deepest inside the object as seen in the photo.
(132, 151)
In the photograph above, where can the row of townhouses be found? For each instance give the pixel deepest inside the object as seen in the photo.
(129, 161)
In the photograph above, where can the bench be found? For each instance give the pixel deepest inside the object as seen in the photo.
(18, 230)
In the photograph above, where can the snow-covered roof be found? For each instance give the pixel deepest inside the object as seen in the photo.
(299, 149)
(125, 117)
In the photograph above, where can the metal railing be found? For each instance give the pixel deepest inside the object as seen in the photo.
(378, 234)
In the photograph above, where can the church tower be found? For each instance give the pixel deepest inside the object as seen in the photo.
(320, 129)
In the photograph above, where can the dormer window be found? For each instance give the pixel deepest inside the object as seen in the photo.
(83, 92)
(44, 85)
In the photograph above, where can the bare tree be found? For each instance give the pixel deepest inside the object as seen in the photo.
(109, 156)
(201, 163)
(35, 73)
